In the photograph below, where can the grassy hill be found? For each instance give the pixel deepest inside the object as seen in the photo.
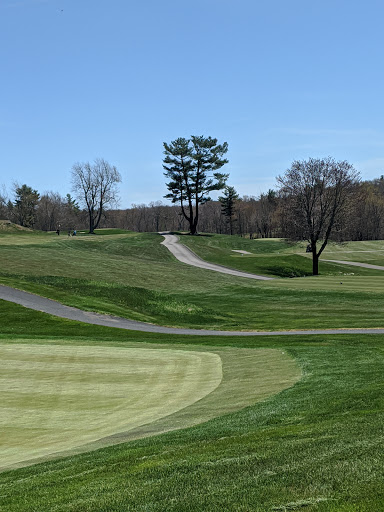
(6, 226)
(316, 445)
(279, 257)
(134, 276)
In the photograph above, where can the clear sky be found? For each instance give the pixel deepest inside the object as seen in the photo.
(278, 80)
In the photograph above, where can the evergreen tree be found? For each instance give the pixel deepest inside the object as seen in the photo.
(26, 203)
(191, 166)
(228, 205)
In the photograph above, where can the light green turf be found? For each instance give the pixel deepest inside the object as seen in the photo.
(68, 399)
(371, 252)
(55, 397)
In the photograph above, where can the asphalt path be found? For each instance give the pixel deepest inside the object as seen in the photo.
(185, 255)
(38, 303)
(357, 264)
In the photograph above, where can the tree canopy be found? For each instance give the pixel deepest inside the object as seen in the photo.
(228, 205)
(26, 201)
(95, 187)
(316, 193)
(192, 165)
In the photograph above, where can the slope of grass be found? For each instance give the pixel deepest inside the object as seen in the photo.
(135, 277)
(371, 252)
(316, 446)
(274, 257)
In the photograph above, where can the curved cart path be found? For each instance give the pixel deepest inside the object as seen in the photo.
(38, 303)
(185, 255)
(357, 264)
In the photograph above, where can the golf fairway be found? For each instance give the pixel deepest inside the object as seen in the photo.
(55, 399)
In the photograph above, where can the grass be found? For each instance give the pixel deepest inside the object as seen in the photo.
(316, 446)
(60, 398)
(279, 257)
(54, 398)
(134, 276)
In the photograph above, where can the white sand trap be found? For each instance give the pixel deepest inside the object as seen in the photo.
(241, 252)
(55, 398)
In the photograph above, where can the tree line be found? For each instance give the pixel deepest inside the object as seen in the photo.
(315, 200)
(261, 216)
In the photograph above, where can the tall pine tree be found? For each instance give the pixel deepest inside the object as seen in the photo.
(191, 166)
(228, 205)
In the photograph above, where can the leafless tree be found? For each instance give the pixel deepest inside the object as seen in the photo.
(95, 186)
(316, 193)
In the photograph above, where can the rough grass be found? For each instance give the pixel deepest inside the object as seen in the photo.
(316, 446)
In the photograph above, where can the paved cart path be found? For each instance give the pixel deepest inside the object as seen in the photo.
(38, 303)
(185, 255)
(357, 264)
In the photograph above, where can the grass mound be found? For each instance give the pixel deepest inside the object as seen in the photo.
(270, 257)
(6, 226)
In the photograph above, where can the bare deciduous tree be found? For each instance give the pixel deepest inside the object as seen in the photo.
(95, 188)
(316, 193)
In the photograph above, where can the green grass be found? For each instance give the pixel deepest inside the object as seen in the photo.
(316, 446)
(279, 257)
(134, 276)
(371, 252)
(59, 398)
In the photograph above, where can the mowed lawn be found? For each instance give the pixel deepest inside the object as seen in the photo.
(134, 276)
(279, 257)
(316, 445)
(295, 423)
(55, 397)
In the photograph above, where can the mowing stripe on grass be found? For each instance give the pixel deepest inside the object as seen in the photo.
(58, 400)
(56, 397)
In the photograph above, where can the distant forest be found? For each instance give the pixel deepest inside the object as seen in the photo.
(256, 217)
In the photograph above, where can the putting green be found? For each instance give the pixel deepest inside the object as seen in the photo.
(55, 397)
(63, 399)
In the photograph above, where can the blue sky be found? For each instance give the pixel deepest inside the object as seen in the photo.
(277, 80)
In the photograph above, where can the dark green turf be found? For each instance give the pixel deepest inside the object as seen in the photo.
(134, 276)
(269, 257)
(316, 446)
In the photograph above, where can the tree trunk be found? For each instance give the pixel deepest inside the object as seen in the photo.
(91, 224)
(315, 263)
(192, 227)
